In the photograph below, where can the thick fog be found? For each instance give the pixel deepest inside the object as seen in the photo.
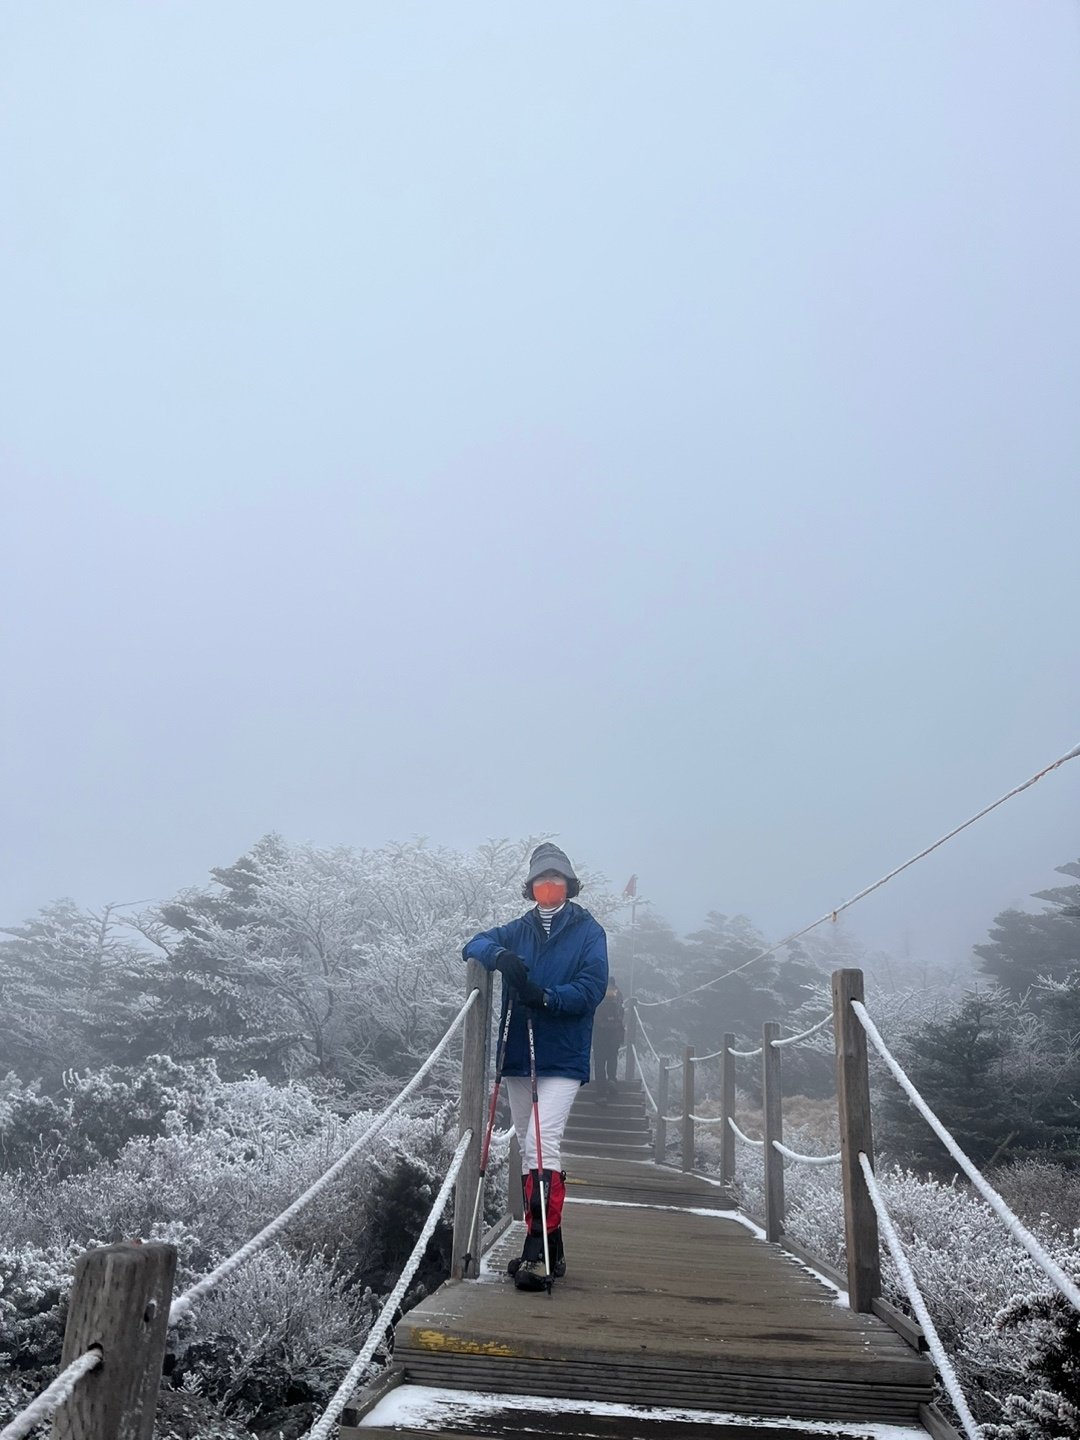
(651, 424)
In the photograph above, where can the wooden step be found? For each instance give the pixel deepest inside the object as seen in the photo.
(420, 1410)
(618, 1110)
(665, 1307)
(602, 1149)
(630, 1125)
(582, 1138)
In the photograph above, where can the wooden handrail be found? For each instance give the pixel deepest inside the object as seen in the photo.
(772, 1105)
(856, 1134)
(475, 1057)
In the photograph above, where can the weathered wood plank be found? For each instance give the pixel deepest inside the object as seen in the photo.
(369, 1395)
(805, 1398)
(661, 1110)
(773, 1107)
(474, 1072)
(665, 1306)
(856, 1134)
(727, 1109)
(120, 1303)
(688, 1108)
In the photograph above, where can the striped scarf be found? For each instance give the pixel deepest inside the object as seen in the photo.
(547, 914)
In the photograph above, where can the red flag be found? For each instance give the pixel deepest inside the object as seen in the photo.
(631, 887)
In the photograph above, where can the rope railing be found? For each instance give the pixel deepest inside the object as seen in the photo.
(326, 1424)
(667, 1119)
(776, 1044)
(184, 1303)
(45, 1406)
(918, 1304)
(1008, 1217)
(648, 1042)
(745, 1139)
(794, 1155)
(837, 910)
(644, 1082)
(803, 1034)
(63, 1387)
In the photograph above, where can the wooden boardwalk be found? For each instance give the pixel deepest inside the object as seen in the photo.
(669, 1299)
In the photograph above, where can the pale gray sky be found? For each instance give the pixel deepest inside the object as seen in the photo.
(655, 423)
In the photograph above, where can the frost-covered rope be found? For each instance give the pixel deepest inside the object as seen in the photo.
(327, 1423)
(745, 1054)
(803, 1035)
(806, 1159)
(50, 1399)
(918, 1304)
(645, 1037)
(667, 1119)
(183, 1304)
(644, 1082)
(700, 1059)
(757, 1144)
(707, 1119)
(501, 1137)
(1012, 1222)
(868, 889)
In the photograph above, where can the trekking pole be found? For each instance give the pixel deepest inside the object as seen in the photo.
(486, 1149)
(539, 1153)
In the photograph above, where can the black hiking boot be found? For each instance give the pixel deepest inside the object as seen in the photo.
(528, 1270)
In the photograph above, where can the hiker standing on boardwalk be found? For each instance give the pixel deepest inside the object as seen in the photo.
(553, 960)
(609, 1030)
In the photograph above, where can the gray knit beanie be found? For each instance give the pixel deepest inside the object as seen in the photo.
(549, 857)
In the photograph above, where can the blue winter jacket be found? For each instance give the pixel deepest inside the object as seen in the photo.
(571, 965)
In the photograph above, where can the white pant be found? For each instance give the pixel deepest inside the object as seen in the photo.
(554, 1095)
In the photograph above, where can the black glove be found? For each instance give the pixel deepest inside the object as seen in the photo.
(512, 968)
(532, 995)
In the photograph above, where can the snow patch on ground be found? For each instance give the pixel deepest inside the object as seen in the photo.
(735, 1215)
(841, 1294)
(431, 1407)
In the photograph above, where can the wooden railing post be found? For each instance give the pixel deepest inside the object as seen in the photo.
(630, 1072)
(119, 1302)
(853, 1099)
(660, 1151)
(727, 1110)
(688, 1108)
(474, 1067)
(514, 1197)
(773, 1107)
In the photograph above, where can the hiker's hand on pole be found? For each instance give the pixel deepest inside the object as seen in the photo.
(512, 968)
(532, 995)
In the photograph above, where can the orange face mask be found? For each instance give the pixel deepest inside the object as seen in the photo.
(549, 892)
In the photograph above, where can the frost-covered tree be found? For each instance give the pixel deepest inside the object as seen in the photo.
(1048, 1407)
(1026, 947)
(1002, 1074)
(76, 987)
(346, 962)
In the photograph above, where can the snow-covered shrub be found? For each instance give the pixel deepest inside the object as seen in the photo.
(1015, 1347)
(1049, 1405)
(1043, 1194)
(282, 1331)
(206, 1184)
(34, 1289)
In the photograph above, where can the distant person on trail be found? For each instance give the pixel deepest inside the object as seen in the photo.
(609, 1030)
(553, 962)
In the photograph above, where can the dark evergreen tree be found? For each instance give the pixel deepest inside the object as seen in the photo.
(72, 982)
(956, 1067)
(1025, 947)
